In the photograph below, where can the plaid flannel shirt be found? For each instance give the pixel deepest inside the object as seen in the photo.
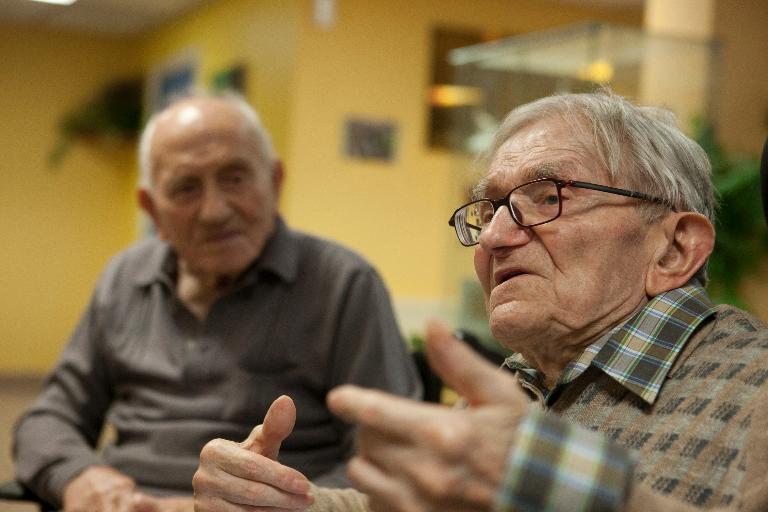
(557, 465)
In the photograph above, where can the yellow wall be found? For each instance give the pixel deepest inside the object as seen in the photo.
(260, 34)
(740, 27)
(59, 226)
(375, 63)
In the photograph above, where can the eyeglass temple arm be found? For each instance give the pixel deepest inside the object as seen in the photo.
(452, 223)
(620, 192)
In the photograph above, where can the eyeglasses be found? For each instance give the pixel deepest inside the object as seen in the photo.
(530, 204)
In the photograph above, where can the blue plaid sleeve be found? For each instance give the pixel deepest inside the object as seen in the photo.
(559, 466)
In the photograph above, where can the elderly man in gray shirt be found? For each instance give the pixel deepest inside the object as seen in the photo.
(192, 334)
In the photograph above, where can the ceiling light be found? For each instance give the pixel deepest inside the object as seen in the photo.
(57, 2)
(599, 71)
(443, 95)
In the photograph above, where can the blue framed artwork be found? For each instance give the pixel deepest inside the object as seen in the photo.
(174, 77)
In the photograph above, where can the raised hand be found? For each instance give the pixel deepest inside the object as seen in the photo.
(414, 456)
(238, 476)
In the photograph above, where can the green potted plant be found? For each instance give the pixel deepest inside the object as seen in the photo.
(742, 237)
(114, 114)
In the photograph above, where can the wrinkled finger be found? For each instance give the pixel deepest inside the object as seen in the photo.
(386, 494)
(463, 369)
(278, 424)
(254, 440)
(239, 491)
(381, 412)
(216, 504)
(449, 486)
(440, 473)
(228, 458)
(387, 453)
(242, 477)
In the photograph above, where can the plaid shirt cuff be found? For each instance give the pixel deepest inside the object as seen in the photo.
(557, 466)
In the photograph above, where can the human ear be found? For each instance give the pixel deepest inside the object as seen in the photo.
(278, 173)
(147, 204)
(686, 240)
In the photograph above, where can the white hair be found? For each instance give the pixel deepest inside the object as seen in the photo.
(253, 123)
(640, 147)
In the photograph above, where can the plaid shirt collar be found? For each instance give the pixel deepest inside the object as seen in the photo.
(639, 353)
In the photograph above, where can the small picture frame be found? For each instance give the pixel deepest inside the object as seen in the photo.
(174, 77)
(232, 78)
(370, 139)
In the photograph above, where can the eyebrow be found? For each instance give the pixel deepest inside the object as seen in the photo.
(236, 162)
(558, 169)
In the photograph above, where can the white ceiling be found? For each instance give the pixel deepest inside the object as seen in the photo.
(127, 17)
(116, 17)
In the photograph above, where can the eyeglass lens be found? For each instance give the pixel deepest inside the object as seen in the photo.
(530, 204)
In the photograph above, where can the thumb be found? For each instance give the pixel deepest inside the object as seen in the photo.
(467, 372)
(266, 438)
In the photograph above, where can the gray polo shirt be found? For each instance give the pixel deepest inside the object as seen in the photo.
(308, 315)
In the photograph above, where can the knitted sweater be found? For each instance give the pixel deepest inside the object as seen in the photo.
(695, 442)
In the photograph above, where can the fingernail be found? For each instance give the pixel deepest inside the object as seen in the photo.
(298, 486)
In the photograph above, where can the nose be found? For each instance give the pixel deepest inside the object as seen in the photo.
(503, 232)
(215, 206)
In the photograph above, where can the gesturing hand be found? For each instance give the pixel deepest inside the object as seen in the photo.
(414, 456)
(237, 476)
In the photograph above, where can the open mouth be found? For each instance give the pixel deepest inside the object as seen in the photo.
(503, 276)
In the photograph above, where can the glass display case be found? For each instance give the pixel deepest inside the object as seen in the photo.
(492, 78)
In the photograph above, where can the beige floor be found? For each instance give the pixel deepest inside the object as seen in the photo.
(15, 394)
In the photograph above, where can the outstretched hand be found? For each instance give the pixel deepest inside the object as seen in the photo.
(414, 456)
(237, 476)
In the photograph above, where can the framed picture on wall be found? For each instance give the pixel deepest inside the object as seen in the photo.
(370, 139)
(173, 77)
(230, 79)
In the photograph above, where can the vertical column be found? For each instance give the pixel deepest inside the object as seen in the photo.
(677, 66)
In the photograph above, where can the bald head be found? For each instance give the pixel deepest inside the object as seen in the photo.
(199, 116)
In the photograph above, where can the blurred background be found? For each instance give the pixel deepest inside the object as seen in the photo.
(376, 107)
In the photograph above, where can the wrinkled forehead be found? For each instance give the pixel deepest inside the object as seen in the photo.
(549, 148)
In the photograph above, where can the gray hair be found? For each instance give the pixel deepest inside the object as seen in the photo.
(640, 147)
(252, 119)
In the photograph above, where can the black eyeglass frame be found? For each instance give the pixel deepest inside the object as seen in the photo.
(560, 185)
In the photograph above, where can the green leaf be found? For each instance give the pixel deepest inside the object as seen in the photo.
(741, 234)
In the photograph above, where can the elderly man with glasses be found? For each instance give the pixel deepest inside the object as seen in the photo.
(628, 388)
